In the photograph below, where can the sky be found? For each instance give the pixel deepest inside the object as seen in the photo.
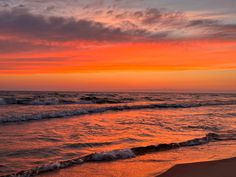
(118, 45)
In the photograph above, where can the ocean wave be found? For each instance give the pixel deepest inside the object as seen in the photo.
(63, 98)
(40, 101)
(122, 154)
(98, 144)
(60, 100)
(2, 101)
(82, 145)
(202, 127)
(122, 107)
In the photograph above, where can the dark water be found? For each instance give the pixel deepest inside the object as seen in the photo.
(39, 128)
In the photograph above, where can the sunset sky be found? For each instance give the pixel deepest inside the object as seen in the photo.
(118, 45)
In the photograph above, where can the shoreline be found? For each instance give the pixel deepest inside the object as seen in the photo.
(216, 168)
(213, 168)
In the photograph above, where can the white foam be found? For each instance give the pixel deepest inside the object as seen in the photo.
(48, 101)
(13, 117)
(113, 155)
(49, 167)
(120, 154)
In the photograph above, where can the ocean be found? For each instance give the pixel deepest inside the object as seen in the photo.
(113, 134)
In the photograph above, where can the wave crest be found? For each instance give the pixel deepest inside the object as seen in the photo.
(102, 109)
(123, 154)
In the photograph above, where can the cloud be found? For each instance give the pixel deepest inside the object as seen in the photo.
(50, 8)
(28, 64)
(202, 23)
(153, 16)
(215, 28)
(177, 25)
(149, 24)
(34, 60)
(20, 22)
(9, 46)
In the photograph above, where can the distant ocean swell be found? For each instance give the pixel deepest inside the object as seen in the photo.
(122, 154)
(60, 101)
(121, 107)
(59, 98)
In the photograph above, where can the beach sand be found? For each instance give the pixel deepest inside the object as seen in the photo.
(220, 168)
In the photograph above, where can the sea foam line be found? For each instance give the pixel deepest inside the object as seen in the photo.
(68, 113)
(121, 154)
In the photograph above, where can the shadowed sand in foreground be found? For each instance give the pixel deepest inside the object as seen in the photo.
(220, 168)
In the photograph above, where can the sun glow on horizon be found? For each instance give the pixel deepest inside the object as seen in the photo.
(116, 47)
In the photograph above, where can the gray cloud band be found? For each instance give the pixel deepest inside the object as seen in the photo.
(23, 24)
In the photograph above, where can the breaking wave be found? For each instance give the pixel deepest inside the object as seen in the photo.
(121, 107)
(61, 99)
(122, 154)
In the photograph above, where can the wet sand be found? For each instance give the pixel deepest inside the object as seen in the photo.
(220, 168)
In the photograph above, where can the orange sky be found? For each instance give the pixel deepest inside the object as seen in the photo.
(193, 80)
(162, 66)
(187, 55)
(133, 49)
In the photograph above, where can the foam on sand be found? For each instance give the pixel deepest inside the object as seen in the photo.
(122, 154)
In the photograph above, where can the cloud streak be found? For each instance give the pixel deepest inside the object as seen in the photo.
(22, 23)
(150, 25)
(81, 39)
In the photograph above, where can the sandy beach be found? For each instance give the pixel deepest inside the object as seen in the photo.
(217, 168)
(220, 168)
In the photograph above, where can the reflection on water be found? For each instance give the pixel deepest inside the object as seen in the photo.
(25, 145)
(150, 164)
